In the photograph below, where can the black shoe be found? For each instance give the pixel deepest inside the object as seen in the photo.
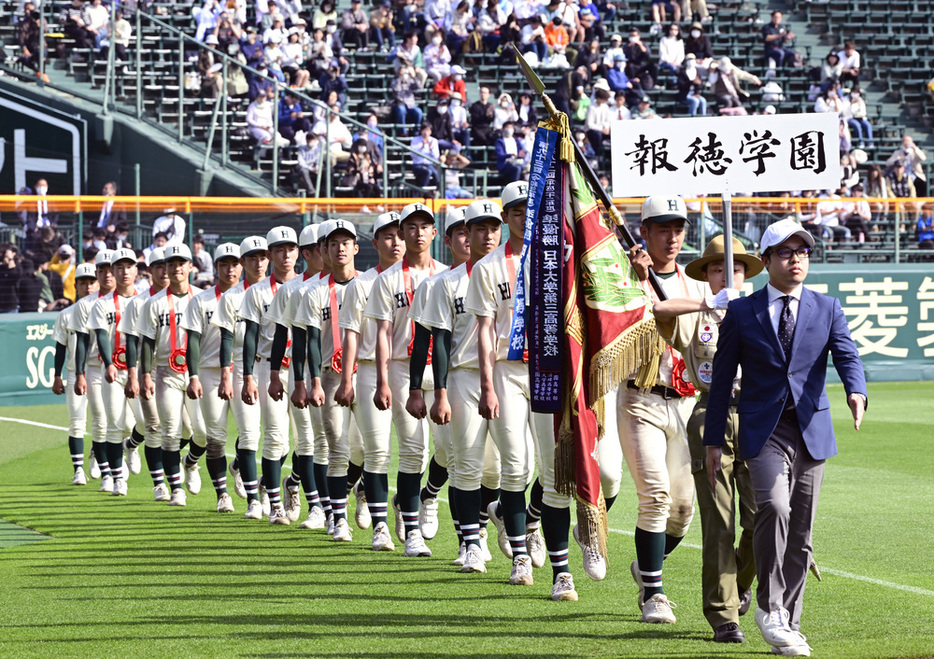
(745, 601)
(728, 633)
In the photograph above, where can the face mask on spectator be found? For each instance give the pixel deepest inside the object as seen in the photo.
(436, 41)
(457, 76)
(633, 39)
(41, 190)
(361, 148)
(442, 109)
(507, 132)
(456, 103)
(695, 34)
(332, 29)
(371, 123)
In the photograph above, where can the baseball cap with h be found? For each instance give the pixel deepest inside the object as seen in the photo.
(177, 252)
(226, 249)
(252, 244)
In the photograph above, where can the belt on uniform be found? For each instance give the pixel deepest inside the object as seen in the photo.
(734, 398)
(665, 392)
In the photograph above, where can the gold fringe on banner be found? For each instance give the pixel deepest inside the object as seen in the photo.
(621, 359)
(592, 524)
(564, 454)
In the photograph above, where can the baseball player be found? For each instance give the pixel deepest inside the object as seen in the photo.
(691, 326)
(358, 346)
(504, 401)
(87, 360)
(652, 422)
(254, 261)
(103, 320)
(388, 305)
(164, 368)
(204, 370)
(65, 340)
(259, 331)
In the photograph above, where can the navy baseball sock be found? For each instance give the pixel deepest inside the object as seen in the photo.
(100, 453)
(115, 459)
(437, 477)
(452, 506)
(533, 514)
(337, 490)
(154, 461)
(671, 542)
(354, 473)
(321, 478)
(468, 514)
(294, 480)
(556, 524)
(247, 460)
(76, 449)
(235, 465)
(304, 470)
(407, 489)
(135, 439)
(487, 496)
(376, 487)
(650, 553)
(185, 441)
(512, 508)
(194, 454)
(272, 469)
(609, 502)
(217, 470)
(172, 460)
(282, 461)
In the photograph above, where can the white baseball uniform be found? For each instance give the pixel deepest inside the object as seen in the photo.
(105, 315)
(77, 405)
(146, 410)
(197, 318)
(78, 322)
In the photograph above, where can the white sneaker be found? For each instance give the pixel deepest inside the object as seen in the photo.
(473, 560)
(361, 512)
(179, 498)
(239, 490)
(657, 610)
(225, 503)
(400, 523)
(107, 484)
(132, 458)
(254, 510)
(775, 629)
(94, 470)
(415, 545)
(382, 541)
(637, 577)
(277, 515)
(485, 546)
(563, 588)
(291, 501)
(800, 650)
(264, 501)
(315, 519)
(342, 531)
(594, 563)
(535, 545)
(501, 537)
(428, 518)
(160, 492)
(79, 478)
(120, 488)
(193, 479)
(461, 555)
(329, 524)
(125, 472)
(521, 571)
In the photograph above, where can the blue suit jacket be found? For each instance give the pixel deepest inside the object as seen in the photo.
(747, 339)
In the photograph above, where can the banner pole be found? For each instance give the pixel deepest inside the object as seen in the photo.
(728, 238)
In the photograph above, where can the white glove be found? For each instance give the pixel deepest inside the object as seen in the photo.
(721, 299)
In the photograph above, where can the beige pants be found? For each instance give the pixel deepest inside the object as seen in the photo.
(476, 460)
(95, 399)
(338, 425)
(412, 434)
(77, 408)
(247, 417)
(147, 412)
(275, 413)
(173, 403)
(117, 409)
(375, 425)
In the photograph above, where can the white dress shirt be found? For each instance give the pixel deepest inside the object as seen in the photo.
(776, 303)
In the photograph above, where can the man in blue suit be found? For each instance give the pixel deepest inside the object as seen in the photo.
(780, 336)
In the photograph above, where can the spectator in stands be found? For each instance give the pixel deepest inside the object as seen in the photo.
(567, 97)
(849, 175)
(912, 156)
(451, 83)
(640, 68)
(482, 113)
(262, 84)
(355, 26)
(829, 101)
(437, 58)
(830, 216)
(75, 20)
(644, 109)
(111, 213)
(671, 49)
(527, 114)
(557, 39)
(460, 24)
(99, 16)
(211, 80)
(293, 56)
(333, 81)
(201, 257)
(227, 31)
(775, 36)
(381, 28)
(660, 11)
(45, 246)
(307, 162)
(856, 214)
(442, 127)
(259, 122)
(9, 275)
(849, 59)
(320, 54)
(830, 72)
(899, 182)
(877, 188)
(509, 156)
(590, 23)
(691, 87)
(854, 111)
(363, 173)
(63, 264)
(251, 49)
(532, 38)
(237, 85)
(609, 56)
(436, 15)
(925, 229)
(333, 39)
(424, 146)
(724, 80)
(41, 216)
(453, 163)
(326, 12)
(698, 44)
(206, 18)
(619, 82)
(620, 111)
(688, 7)
(505, 111)
(121, 38)
(591, 58)
(586, 148)
(373, 136)
(293, 119)
(28, 32)
(489, 20)
(404, 108)
(599, 117)
(339, 136)
(171, 225)
(273, 55)
(28, 287)
(408, 54)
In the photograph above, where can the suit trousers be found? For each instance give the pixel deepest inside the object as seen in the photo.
(787, 482)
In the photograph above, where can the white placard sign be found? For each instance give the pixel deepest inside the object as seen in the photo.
(760, 153)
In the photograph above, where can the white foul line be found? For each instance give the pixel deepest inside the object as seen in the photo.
(828, 570)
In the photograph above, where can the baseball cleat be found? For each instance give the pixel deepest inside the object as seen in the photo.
(225, 503)
(657, 610)
(535, 545)
(178, 497)
(637, 577)
(254, 510)
(362, 512)
(264, 501)
(521, 571)
(160, 492)
(79, 478)
(293, 505)
(484, 545)
(400, 524)
(563, 588)
(342, 531)
(132, 458)
(501, 537)
(94, 470)
(594, 563)
(473, 560)
(125, 472)
(277, 516)
(428, 518)
(415, 545)
(239, 490)
(461, 555)
(120, 488)
(107, 484)
(193, 479)
(382, 541)
(315, 519)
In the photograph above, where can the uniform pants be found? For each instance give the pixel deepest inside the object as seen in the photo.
(147, 414)
(172, 403)
(411, 433)
(275, 413)
(214, 411)
(510, 430)
(727, 570)
(302, 425)
(787, 483)
(654, 439)
(247, 417)
(609, 449)
(476, 460)
(119, 414)
(96, 405)
(375, 425)
(77, 408)
(338, 425)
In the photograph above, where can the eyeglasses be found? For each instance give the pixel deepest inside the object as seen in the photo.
(785, 252)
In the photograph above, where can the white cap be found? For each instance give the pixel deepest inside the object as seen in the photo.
(515, 193)
(85, 270)
(458, 69)
(281, 236)
(66, 250)
(122, 254)
(103, 257)
(781, 231)
(481, 210)
(341, 225)
(416, 209)
(324, 229)
(661, 208)
(308, 236)
(156, 255)
(384, 220)
(226, 249)
(177, 252)
(252, 244)
(454, 217)
(769, 109)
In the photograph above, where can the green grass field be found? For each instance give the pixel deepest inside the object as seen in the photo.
(128, 577)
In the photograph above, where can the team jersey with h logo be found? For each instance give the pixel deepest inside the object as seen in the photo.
(227, 316)
(445, 309)
(255, 305)
(155, 323)
(78, 322)
(351, 315)
(68, 338)
(197, 318)
(491, 294)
